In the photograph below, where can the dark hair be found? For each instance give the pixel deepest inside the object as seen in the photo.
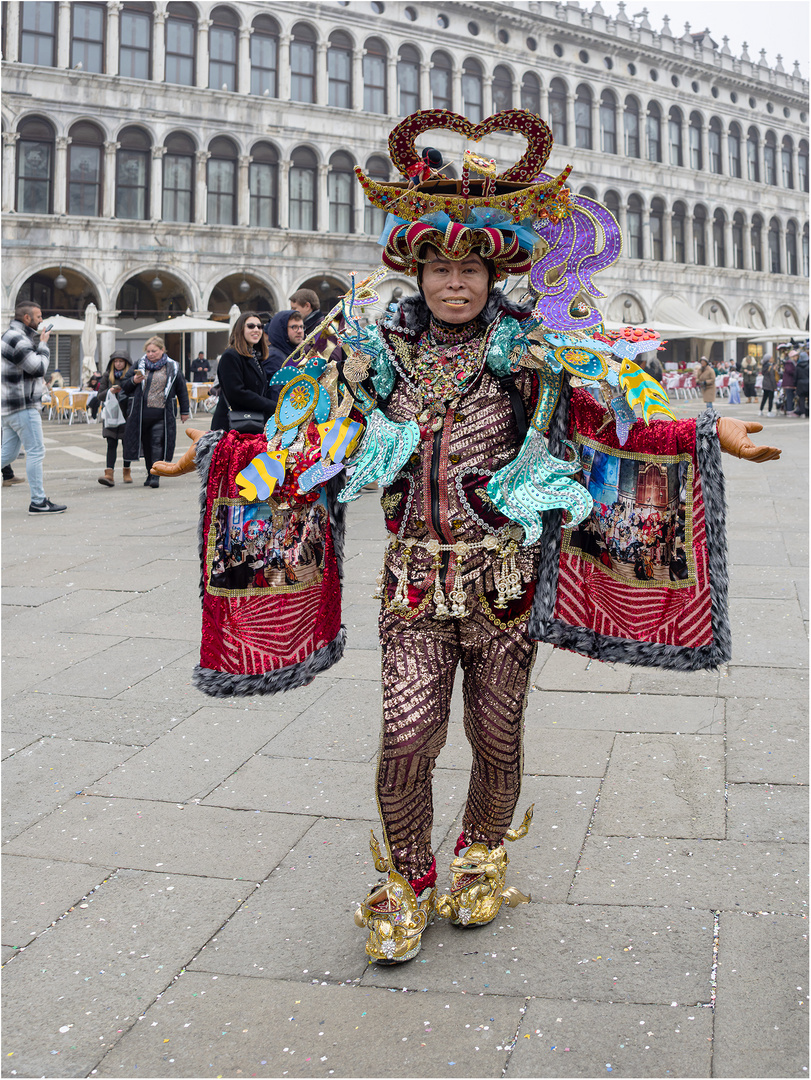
(306, 296)
(25, 307)
(237, 340)
(295, 317)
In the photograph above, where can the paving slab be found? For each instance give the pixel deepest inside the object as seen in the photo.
(134, 579)
(643, 955)
(31, 595)
(39, 890)
(755, 552)
(767, 633)
(550, 710)
(108, 721)
(585, 1038)
(192, 758)
(664, 785)
(231, 1026)
(767, 812)
(75, 990)
(564, 751)
(64, 613)
(109, 673)
(49, 773)
(179, 838)
(363, 664)
(61, 649)
(778, 684)
(563, 670)
(761, 1029)
(767, 741)
(343, 724)
(767, 582)
(181, 624)
(14, 741)
(649, 680)
(722, 875)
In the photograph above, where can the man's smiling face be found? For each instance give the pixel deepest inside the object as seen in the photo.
(455, 292)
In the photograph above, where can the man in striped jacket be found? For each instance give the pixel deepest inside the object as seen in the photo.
(25, 361)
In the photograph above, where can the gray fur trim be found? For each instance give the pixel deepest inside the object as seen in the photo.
(412, 311)
(222, 684)
(544, 627)
(202, 461)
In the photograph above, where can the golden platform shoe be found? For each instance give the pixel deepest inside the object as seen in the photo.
(478, 882)
(394, 916)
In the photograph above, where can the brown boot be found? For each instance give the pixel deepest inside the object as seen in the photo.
(107, 479)
(127, 476)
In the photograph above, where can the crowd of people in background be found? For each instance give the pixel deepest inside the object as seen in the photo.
(783, 379)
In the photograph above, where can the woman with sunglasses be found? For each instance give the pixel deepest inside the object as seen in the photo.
(243, 381)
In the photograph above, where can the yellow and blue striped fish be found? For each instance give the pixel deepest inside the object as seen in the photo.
(640, 389)
(339, 437)
(260, 476)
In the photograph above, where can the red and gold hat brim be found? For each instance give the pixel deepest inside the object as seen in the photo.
(403, 249)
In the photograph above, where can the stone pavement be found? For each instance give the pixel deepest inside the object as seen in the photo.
(180, 872)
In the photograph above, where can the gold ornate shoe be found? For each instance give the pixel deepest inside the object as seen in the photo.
(478, 882)
(393, 914)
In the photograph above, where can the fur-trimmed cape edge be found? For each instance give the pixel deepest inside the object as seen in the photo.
(544, 627)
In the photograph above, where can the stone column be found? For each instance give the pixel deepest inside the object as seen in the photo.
(622, 221)
(725, 169)
(645, 235)
(729, 254)
(746, 240)
(357, 213)
(63, 35)
(159, 46)
(113, 24)
(108, 180)
(61, 174)
(425, 85)
(783, 251)
(685, 142)
(243, 190)
(321, 87)
(11, 14)
(392, 95)
(596, 134)
(284, 67)
(795, 175)
(705, 150)
(201, 187)
(487, 95)
(284, 195)
(544, 103)
(322, 200)
(244, 61)
(202, 52)
(107, 337)
(760, 169)
(357, 80)
(458, 105)
(9, 171)
(667, 236)
(156, 184)
(571, 136)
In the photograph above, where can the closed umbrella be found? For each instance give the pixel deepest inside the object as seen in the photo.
(233, 315)
(89, 339)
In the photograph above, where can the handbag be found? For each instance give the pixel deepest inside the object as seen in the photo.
(245, 421)
(111, 414)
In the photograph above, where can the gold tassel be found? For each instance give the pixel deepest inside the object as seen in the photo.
(441, 609)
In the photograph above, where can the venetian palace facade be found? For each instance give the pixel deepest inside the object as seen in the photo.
(163, 157)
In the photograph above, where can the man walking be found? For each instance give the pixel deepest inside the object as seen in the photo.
(25, 361)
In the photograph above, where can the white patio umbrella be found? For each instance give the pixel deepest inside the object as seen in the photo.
(89, 340)
(182, 324)
(61, 324)
(233, 315)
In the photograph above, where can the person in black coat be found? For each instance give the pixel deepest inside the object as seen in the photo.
(285, 332)
(241, 373)
(153, 384)
(118, 369)
(801, 377)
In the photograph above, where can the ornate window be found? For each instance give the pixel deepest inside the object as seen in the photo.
(756, 240)
(791, 247)
(263, 180)
(531, 93)
(657, 217)
(222, 182)
(786, 152)
(718, 246)
(674, 124)
(472, 93)
(679, 231)
(84, 169)
(302, 64)
(631, 118)
(375, 61)
(654, 125)
(634, 227)
(714, 146)
(802, 165)
(222, 49)
(341, 192)
(700, 236)
(303, 184)
(441, 81)
(178, 178)
(35, 162)
(557, 112)
(38, 34)
(608, 122)
(87, 36)
(373, 218)
(588, 191)
(752, 168)
(582, 118)
(612, 203)
(135, 41)
(770, 158)
(694, 136)
(502, 89)
(339, 70)
(408, 79)
(132, 162)
(737, 240)
(265, 56)
(734, 143)
(774, 247)
(181, 39)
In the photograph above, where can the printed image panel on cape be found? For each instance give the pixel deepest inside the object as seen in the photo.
(270, 582)
(643, 580)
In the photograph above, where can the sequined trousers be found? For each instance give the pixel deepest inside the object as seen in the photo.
(420, 658)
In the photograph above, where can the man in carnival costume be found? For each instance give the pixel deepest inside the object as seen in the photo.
(526, 499)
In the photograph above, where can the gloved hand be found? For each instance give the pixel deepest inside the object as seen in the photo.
(186, 463)
(733, 435)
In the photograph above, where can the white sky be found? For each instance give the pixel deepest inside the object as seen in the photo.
(778, 26)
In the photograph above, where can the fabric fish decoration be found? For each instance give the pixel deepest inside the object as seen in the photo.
(338, 439)
(640, 389)
(260, 476)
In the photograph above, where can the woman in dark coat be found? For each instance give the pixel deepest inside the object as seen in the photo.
(118, 369)
(241, 373)
(769, 373)
(153, 384)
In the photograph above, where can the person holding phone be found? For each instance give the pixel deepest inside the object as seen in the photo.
(25, 360)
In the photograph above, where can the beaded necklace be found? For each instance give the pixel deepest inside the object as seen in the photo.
(445, 360)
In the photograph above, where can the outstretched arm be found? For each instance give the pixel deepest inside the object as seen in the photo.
(186, 463)
(733, 436)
